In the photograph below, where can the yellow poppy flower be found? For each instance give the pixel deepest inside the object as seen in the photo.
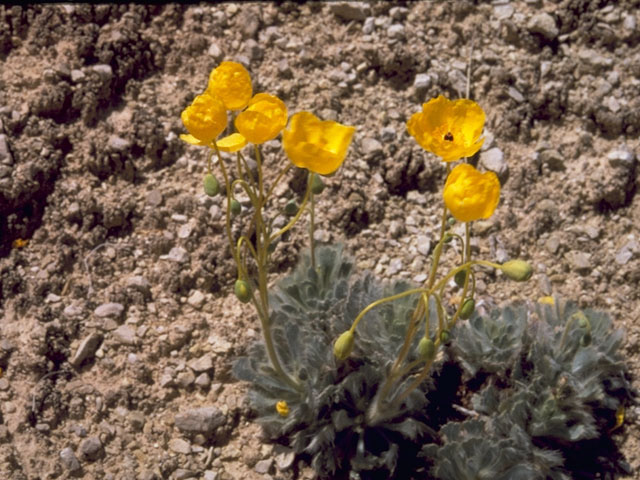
(205, 119)
(449, 129)
(319, 146)
(263, 119)
(471, 195)
(231, 82)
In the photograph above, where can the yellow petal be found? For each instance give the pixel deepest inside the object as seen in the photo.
(471, 195)
(449, 129)
(319, 146)
(263, 119)
(231, 143)
(205, 118)
(232, 83)
(190, 139)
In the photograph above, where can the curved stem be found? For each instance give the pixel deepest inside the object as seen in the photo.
(228, 209)
(380, 302)
(312, 222)
(293, 221)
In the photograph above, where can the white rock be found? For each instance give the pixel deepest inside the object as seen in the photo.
(493, 159)
(125, 335)
(196, 299)
(176, 254)
(422, 81)
(111, 309)
(544, 24)
(179, 445)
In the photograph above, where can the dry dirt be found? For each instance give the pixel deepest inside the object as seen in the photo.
(109, 249)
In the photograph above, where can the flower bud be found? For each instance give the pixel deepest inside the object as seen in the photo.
(426, 349)
(317, 185)
(445, 337)
(344, 344)
(583, 321)
(460, 277)
(447, 237)
(211, 185)
(467, 309)
(291, 208)
(282, 408)
(517, 270)
(242, 291)
(585, 341)
(235, 207)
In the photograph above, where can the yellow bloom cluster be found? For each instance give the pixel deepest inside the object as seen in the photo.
(451, 130)
(319, 146)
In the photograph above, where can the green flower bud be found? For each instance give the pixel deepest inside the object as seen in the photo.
(451, 221)
(242, 291)
(583, 321)
(467, 309)
(344, 344)
(426, 349)
(445, 337)
(585, 341)
(517, 270)
(317, 185)
(291, 208)
(211, 185)
(235, 207)
(460, 277)
(447, 238)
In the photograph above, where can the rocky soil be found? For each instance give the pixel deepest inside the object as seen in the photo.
(118, 321)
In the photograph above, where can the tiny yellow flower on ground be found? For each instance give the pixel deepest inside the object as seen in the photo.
(263, 119)
(319, 146)
(205, 119)
(282, 408)
(19, 243)
(547, 300)
(231, 82)
(449, 129)
(471, 195)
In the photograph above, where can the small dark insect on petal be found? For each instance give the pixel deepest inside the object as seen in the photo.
(448, 137)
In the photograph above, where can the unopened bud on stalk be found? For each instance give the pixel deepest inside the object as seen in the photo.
(317, 185)
(460, 277)
(291, 208)
(235, 207)
(426, 349)
(445, 337)
(242, 291)
(467, 309)
(583, 321)
(344, 344)
(211, 185)
(517, 270)
(447, 238)
(585, 341)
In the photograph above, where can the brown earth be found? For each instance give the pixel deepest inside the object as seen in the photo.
(110, 250)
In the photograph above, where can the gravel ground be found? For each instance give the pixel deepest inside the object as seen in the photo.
(118, 321)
